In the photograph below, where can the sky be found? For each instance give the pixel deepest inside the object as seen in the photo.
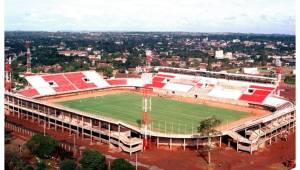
(245, 16)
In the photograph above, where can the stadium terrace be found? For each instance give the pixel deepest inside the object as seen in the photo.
(251, 108)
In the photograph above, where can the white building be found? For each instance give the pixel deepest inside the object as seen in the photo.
(205, 39)
(236, 41)
(219, 54)
(278, 62)
(252, 70)
(89, 48)
(148, 53)
(228, 55)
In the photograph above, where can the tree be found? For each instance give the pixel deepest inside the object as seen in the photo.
(92, 160)
(42, 146)
(121, 164)
(14, 161)
(8, 136)
(290, 79)
(206, 128)
(63, 154)
(155, 62)
(173, 64)
(133, 62)
(68, 165)
(196, 63)
(107, 70)
(41, 165)
(27, 167)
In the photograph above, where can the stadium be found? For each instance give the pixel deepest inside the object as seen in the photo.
(161, 109)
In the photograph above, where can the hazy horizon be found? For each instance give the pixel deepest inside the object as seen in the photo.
(111, 31)
(195, 16)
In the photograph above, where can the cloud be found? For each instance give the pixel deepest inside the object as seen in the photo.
(152, 15)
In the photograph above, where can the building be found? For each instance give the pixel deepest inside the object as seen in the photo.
(219, 54)
(97, 52)
(203, 66)
(173, 59)
(121, 58)
(251, 70)
(211, 53)
(278, 62)
(236, 41)
(289, 61)
(228, 55)
(73, 53)
(194, 61)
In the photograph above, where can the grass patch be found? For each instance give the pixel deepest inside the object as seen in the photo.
(166, 115)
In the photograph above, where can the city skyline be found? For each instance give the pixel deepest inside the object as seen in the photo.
(258, 16)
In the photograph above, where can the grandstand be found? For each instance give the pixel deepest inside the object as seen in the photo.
(50, 84)
(222, 89)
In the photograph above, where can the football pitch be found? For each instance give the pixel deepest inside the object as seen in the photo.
(168, 116)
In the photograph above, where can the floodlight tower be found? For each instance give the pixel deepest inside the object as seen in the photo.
(8, 80)
(28, 55)
(146, 115)
(280, 83)
(149, 58)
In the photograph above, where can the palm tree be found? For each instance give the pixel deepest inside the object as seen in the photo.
(206, 128)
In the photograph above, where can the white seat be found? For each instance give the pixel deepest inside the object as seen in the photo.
(177, 87)
(40, 85)
(96, 79)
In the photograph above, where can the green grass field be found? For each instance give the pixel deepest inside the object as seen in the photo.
(166, 115)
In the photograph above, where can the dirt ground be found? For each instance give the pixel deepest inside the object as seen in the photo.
(254, 113)
(289, 93)
(272, 157)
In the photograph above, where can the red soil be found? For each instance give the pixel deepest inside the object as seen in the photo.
(289, 92)
(272, 156)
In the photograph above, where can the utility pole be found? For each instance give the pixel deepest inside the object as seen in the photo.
(44, 128)
(74, 145)
(136, 164)
(146, 115)
(28, 55)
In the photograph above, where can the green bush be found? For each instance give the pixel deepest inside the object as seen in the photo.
(41, 165)
(290, 79)
(121, 164)
(92, 160)
(68, 165)
(42, 146)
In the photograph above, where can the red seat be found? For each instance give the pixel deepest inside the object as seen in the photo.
(252, 98)
(164, 75)
(77, 79)
(158, 79)
(155, 85)
(117, 82)
(261, 92)
(199, 85)
(62, 83)
(262, 87)
(29, 92)
(158, 84)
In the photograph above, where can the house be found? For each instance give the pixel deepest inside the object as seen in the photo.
(173, 59)
(73, 53)
(203, 66)
(121, 58)
(192, 60)
(94, 57)
(228, 55)
(253, 70)
(219, 54)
